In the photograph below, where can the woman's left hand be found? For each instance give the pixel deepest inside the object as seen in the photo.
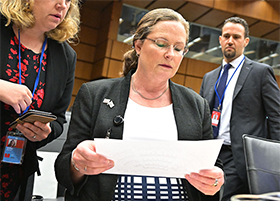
(35, 132)
(208, 181)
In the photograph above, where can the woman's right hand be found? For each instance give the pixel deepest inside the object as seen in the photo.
(16, 95)
(85, 161)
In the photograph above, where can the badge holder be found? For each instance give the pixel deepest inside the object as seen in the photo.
(14, 148)
(216, 114)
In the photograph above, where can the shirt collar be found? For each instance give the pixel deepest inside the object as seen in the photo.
(235, 62)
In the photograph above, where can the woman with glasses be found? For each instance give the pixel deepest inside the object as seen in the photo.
(142, 105)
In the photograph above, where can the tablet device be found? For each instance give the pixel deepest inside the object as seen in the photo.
(34, 115)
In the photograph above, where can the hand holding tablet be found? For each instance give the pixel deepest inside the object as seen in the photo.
(34, 115)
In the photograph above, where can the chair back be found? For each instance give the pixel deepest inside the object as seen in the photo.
(262, 158)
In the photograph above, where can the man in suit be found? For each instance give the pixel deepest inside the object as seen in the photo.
(249, 103)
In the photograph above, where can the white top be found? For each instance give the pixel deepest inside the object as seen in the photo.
(148, 123)
(224, 129)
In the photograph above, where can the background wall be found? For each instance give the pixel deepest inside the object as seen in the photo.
(99, 54)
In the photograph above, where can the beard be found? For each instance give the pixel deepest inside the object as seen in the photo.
(229, 54)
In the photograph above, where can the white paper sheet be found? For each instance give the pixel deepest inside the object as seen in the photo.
(159, 158)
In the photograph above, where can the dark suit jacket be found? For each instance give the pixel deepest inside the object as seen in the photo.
(60, 72)
(256, 97)
(91, 118)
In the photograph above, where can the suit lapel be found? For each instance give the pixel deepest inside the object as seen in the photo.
(6, 32)
(54, 83)
(246, 68)
(212, 83)
(179, 113)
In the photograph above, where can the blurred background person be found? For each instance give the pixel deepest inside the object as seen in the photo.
(37, 72)
(248, 103)
(153, 108)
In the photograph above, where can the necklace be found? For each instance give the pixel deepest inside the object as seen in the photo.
(144, 96)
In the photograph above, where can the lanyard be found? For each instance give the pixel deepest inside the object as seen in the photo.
(215, 87)
(38, 75)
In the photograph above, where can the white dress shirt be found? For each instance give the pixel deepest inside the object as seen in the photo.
(224, 129)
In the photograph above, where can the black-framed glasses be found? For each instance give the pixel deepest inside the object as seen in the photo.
(164, 45)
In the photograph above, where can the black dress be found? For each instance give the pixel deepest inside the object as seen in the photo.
(12, 174)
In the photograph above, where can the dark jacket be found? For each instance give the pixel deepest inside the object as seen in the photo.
(91, 118)
(256, 96)
(61, 62)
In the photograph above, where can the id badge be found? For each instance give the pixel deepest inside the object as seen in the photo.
(216, 114)
(14, 148)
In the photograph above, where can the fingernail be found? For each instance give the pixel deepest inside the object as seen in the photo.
(110, 163)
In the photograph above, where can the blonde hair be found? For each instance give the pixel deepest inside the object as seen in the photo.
(19, 12)
(144, 28)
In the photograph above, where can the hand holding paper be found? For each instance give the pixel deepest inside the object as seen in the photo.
(159, 158)
(208, 181)
(85, 160)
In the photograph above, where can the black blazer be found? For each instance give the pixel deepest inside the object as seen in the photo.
(256, 96)
(60, 75)
(91, 118)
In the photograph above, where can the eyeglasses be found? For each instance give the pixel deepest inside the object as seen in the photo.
(164, 45)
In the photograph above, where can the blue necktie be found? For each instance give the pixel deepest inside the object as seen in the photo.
(220, 90)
